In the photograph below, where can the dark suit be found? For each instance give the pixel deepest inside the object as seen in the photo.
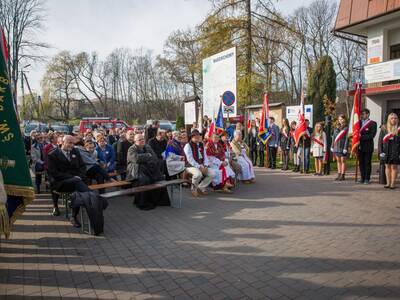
(252, 143)
(366, 148)
(64, 173)
(121, 153)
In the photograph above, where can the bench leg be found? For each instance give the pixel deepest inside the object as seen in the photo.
(66, 200)
(180, 196)
(85, 221)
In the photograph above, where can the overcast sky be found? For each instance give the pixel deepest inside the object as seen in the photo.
(103, 25)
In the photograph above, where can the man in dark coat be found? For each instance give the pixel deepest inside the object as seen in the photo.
(366, 148)
(273, 143)
(121, 152)
(159, 145)
(151, 131)
(67, 171)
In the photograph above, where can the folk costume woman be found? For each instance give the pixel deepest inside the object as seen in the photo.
(318, 147)
(217, 161)
(229, 153)
(390, 146)
(174, 155)
(241, 150)
(340, 145)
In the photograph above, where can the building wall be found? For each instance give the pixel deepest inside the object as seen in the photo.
(277, 112)
(380, 106)
(375, 105)
(394, 37)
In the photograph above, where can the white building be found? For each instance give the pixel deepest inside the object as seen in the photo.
(379, 22)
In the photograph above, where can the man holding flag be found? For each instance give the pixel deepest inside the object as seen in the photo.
(301, 133)
(273, 143)
(363, 134)
(17, 179)
(264, 133)
(366, 148)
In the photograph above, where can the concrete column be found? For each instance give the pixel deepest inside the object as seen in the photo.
(378, 110)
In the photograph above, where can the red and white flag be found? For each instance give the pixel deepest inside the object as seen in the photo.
(3, 44)
(301, 128)
(356, 118)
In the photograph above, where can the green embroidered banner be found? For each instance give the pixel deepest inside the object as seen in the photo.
(16, 175)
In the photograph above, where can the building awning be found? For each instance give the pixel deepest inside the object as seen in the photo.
(191, 98)
(355, 16)
(259, 106)
(386, 89)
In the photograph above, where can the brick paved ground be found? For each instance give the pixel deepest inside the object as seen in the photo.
(286, 237)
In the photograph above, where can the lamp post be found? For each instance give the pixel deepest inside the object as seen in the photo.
(22, 88)
(267, 65)
(328, 129)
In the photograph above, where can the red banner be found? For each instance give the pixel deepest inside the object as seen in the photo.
(301, 127)
(356, 118)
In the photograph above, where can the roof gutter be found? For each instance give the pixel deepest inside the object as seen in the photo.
(347, 38)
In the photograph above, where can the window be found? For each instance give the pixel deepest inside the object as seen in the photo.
(395, 51)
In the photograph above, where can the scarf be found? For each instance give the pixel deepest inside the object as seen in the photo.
(196, 149)
(216, 150)
(341, 134)
(174, 147)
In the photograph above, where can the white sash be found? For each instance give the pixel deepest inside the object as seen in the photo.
(366, 124)
(340, 135)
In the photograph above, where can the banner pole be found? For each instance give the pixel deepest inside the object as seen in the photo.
(304, 157)
(356, 177)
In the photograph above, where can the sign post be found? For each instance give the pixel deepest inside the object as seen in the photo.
(219, 79)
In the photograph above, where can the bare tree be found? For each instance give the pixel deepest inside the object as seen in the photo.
(182, 59)
(22, 20)
(59, 81)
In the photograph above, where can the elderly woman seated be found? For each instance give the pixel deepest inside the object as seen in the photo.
(143, 169)
(241, 152)
(174, 155)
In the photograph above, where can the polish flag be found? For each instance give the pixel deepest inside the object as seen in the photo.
(301, 128)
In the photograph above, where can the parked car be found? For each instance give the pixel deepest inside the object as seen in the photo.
(107, 123)
(38, 127)
(166, 125)
(60, 127)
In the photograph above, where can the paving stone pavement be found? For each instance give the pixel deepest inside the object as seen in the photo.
(285, 237)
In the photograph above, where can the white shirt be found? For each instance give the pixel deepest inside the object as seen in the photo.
(364, 121)
(67, 154)
(189, 157)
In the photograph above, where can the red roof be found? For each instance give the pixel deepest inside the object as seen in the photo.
(352, 12)
(386, 89)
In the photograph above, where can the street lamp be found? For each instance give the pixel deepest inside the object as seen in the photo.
(267, 66)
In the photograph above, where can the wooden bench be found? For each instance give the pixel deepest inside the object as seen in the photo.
(108, 185)
(66, 197)
(170, 185)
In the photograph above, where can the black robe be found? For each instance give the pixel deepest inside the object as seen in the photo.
(149, 173)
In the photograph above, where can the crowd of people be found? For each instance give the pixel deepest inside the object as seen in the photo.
(217, 160)
(314, 144)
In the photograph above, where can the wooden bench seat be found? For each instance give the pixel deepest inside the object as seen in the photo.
(149, 187)
(109, 185)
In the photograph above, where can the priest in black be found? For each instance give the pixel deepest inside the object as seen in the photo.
(144, 169)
